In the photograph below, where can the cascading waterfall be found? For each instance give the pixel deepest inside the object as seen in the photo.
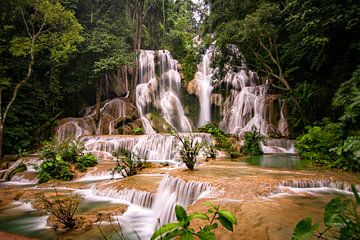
(158, 147)
(110, 114)
(141, 222)
(318, 184)
(204, 88)
(278, 145)
(249, 104)
(158, 89)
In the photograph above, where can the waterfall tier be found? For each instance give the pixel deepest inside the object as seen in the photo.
(149, 147)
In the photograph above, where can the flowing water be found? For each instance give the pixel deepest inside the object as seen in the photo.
(268, 198)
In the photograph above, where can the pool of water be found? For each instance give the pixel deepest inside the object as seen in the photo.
(285, 161)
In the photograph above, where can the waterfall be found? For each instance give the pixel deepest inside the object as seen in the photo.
(318, 184)
(250, 104)
(278, 145)
(133, 196)
(111, 113)
(149, 147)
(158, 90)
(204, 87)
(141, 222)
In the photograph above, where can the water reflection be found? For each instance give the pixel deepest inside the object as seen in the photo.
(278, 161)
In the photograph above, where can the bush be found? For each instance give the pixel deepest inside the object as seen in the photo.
(348, 154)
(222, 142)
(85, 161)
(63, 207)
(58, 157)
(252, 142)
(128, 163)
(341, 220)
(189, 149)
(181, 228)
(315, 145)
(55, 168)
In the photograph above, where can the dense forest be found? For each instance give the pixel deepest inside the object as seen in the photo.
(55, 54)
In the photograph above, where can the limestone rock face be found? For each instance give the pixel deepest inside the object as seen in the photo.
(192, 87)
(117, 84)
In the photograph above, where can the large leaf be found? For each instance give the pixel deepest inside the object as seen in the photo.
(304, 229)
(334, 211)
(186, 236)
(356, 194)
(226, 223)
(228, 215)
(165, 229)
(180, 213)
(199, 216)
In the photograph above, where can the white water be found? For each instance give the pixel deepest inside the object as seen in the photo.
(158, 89)
(204, 88)
(156, 147)
(278, 145)
(141, 222)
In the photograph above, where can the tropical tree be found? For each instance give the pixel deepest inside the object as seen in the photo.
(47, 27)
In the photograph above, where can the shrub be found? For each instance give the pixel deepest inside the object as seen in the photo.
(85, 161)
(128, 163)
(58, 157)
(341, 220)
(63, 207)
(222, 142)
(252, 142)
(55, 168)
(348, 154)
(189, 149)
(315, 145)
(182, 229)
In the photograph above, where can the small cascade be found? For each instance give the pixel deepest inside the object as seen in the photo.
(19, 179)
(250, 104)
(278, 145)
(30, 162)
(204, 88)
(149, 147)
(158, 89)
(133, 196)
(141, 222)
(305, 184)
(111, 113)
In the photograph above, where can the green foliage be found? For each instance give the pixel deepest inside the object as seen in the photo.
(138, 131)
(189, 149)
(341, 220)
(252, 142)
(85, 161)
(57, 159)
(128, 163)
(182, 229)
(19, 168)
(63, 207)
(222, 142)
(55, 168)
(348, 154)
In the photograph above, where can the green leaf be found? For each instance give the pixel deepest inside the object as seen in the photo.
(228, 215)
(165, 229)
(333, 212)
(180, 213)
(199, 216)
(226, 223)
(186, 236)
(206, 235)
(304, 229)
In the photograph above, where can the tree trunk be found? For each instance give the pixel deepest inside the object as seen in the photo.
(1, 141)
